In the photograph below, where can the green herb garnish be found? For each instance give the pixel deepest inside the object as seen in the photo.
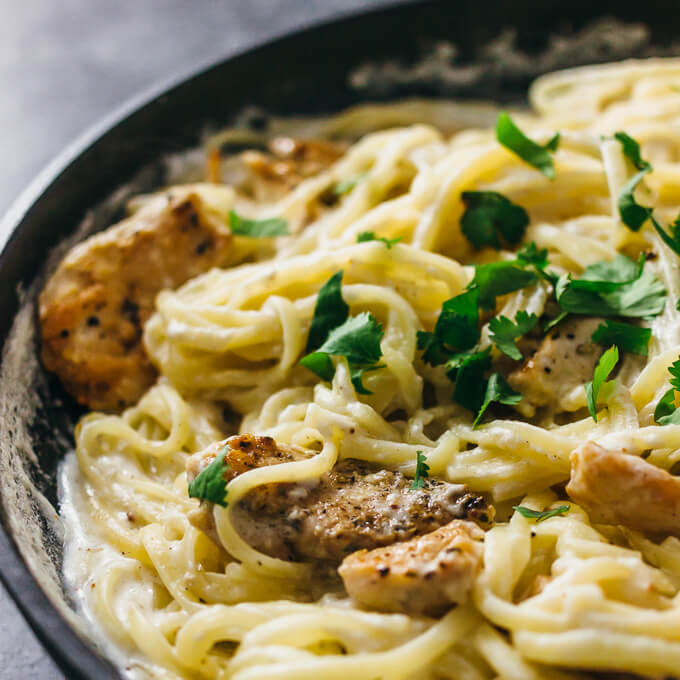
(499, 278)
(370, 236)
(209, 484)
(490, 218)
(267, 228)
(499, 391)
(633, 215)
(625, 336)
(467, 371)
(503, 332)
(357, 340)
(422, 471)
(665, 412)
(456, 329)
(671, 237)
(604, 367)
(540, 515)
(617, 288)
(537, 155)
(330, 311)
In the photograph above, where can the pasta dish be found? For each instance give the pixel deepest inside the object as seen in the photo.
(393, 395)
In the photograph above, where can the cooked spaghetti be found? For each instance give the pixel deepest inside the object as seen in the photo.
(390, 228)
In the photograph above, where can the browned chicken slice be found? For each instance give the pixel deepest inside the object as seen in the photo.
(93, 308)
(617, 488)
(353, 506)
(426, 575)
(288, 162)
(564, 360)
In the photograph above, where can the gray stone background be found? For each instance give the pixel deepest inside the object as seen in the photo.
(66, 63)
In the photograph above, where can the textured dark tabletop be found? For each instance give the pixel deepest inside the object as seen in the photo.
(66, 63)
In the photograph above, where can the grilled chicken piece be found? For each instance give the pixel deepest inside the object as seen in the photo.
(353, 506)
(564, 360)
(288, 162)
(93, 309)
(617, 488)
(426, 575)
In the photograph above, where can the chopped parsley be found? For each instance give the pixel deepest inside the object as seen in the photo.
(499, 391)
(625, 336)
(631, 149)
(540, 515)
(370, 236)
(503, 332)
(604, 367)
(422, 471)
(491, 219)
(357, 373)
(671, 237)
(267, 228)
(209, 484)
(467, 371)
(617, 288)
(330, 311)
(499, 278)
(666, 412)
(537, 155)
(633, 215)
(357, 340)
(456, 329)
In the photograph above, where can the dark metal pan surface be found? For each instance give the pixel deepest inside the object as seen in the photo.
(493, 50)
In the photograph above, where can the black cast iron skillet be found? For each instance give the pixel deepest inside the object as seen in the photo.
(307, 72)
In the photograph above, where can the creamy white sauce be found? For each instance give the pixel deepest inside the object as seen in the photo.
(85, 554)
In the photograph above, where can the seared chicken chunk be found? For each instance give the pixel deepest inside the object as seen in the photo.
(93, 309)
(353, 506)
(288, 162)
(564, 360)
(617, 488)
(426, 575)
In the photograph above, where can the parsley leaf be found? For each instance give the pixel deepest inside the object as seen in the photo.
(631, 149)
(330, 311)
(503, 332)
(671, 238)
(370, 236)
(665, 412)
(625, 336)
(456, 329)
(267, 228)
(499, 391)
(499, 278)
(540, 515)
(633, 215)
(357, 339)
(209, 484)
(617, 288)
(422, 471)
(489, 215)
(531, 256)
(467, 371)
(604, 367)
(512, 138)
(357, 373)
